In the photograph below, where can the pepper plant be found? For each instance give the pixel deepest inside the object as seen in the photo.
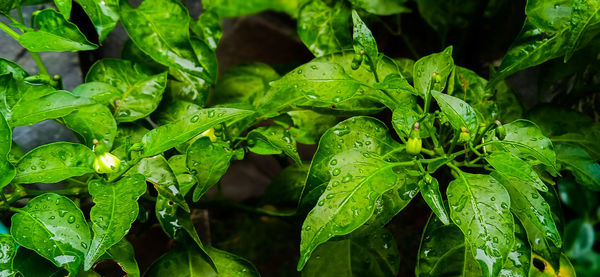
(158, 128)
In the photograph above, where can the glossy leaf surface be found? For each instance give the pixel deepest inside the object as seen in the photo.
(273, 139)
(324, 29)
(8, 251)
(55, 228)
(524, 139)
(358, 179)
(363, 39)
(480, 207)
(160, 28)
(114, 211)
(189, 262)
(207, 161)
(576, 160)
(364, 133)
(54, 162)
(507, 164)
(157, 171)
(424, 68)
(94, 122)
(103, 14)
(432, 196)
(54, 33)
(459, 113)
(7, 170)
(167, 136)
(373, 255)
(140, 92)
(122, 253)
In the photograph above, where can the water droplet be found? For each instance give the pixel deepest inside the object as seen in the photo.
(336, 172)
(333, 162)
(495, 239)
(62, 213)
(211, 113)
(33, 167)
(329, 196)
(504, 205)
(299, 71)
(321, 203)
(335, 184)
(314, 67)
(307, 228)
(347, 178)
(493, 198)
(84, 245)
(71, 219)
(194, 119)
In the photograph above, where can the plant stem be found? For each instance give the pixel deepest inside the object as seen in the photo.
(9, 31)
(39, 63)
(428, 152)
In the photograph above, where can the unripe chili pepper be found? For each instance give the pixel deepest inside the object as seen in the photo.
(414, 143)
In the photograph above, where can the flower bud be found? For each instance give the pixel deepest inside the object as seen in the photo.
(500, 130)
(414, 143)
(106, 163)
(436, 77)
(210, 133)
(464, 135)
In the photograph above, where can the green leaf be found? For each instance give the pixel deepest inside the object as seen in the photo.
(363, 39)
(103, 14)
(139, 91)
(64, 6)
(286, 186)
(54, 162)
(373, 255)
(236, 8)
(170, 135)
(244, 83)
(157, 171)
(531, 47)
(381, 7)
(432, 196)
(358, 179)
(459, 113)
(443, 253)
(390, 204)
(29, 263)
(273, 139)
(539, 240)
(8, 66)
(207, 161)
(54, 33)
(529, 206)
(208, 27)
(160, 28)
(8, 251)
(508, 164)
(31, 109)
(178, 225)
(102, 93)
(480, 207)
(584, 13)
(190, 262)
(364, 133)
(439, 63)
(324, 29)
(325, 82)
(576, 160)
(123, 254)
(115, 209)
(184, 177)
(7, 170)
(175, 110)
(55, 228)
(525, 140)
(550, 15)
(94, 122)
(308, 126)
(471, 88)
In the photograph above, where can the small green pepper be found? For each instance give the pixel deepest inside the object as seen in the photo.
(357, 60)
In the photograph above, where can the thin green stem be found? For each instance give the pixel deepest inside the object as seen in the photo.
(16, 210)
(9, 31)
(242, 207)
(428, 152)
(39, 63)
(20, 13)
